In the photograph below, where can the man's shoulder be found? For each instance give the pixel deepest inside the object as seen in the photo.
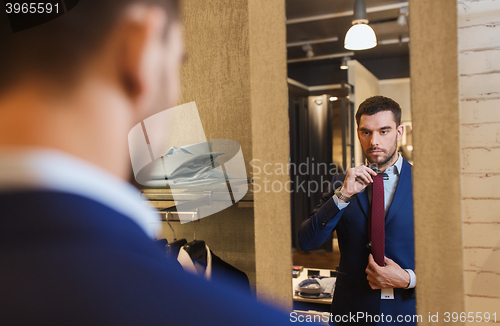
(81, 266)
(61, 213)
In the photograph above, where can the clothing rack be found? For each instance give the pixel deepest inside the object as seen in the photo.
(176, 216)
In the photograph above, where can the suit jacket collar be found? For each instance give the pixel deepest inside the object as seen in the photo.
(364, 202)
(403, 189)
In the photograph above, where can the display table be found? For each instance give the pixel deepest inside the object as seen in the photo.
(304, 275)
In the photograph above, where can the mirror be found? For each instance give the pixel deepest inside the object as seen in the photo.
(327, 83)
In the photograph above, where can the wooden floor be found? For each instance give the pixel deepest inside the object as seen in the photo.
(316, 259)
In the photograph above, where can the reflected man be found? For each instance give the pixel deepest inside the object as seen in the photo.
(371, 208)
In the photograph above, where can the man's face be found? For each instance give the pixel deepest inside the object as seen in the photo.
(378, 135)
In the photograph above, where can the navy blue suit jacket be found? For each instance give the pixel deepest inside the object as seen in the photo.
(69, 260)
(352, 292)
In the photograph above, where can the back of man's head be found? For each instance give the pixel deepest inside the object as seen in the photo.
(376, 104)
(58, 48)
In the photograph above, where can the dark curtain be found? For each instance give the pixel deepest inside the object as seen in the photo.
(311, 137)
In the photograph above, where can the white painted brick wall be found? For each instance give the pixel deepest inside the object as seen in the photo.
(479, 71)
(481, 186)
(475, 257)
(479, 62)
(482, 235)
(484, 86)
(480, 135)
(473, 206)
(479, 111)
(482, 283)
(480, 159)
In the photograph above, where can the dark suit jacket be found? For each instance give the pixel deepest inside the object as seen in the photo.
(68, 260)
(352, 292)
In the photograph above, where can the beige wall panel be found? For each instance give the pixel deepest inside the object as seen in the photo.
(236, 74)
(436, 172)
(270, 144)
(216, 77)
(217, 72)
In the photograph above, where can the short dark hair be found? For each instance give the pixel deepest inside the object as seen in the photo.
(376, 104)
(59, 47)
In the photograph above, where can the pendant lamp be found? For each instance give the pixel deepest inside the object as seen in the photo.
(360, 36)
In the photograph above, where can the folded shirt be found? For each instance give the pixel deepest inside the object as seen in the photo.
(190, 165)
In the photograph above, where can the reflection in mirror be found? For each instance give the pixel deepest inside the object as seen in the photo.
(327, 85)
(186, 176)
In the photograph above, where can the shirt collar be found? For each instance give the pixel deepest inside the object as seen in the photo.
(47, 169)
(395, 168)
(187, 262)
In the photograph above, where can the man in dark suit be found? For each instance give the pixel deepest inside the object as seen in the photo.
(75, 238)
(368, 292)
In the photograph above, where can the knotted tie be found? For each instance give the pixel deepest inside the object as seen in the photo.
(377, 221)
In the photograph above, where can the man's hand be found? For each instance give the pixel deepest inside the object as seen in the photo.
(389, 276)
(357, 179)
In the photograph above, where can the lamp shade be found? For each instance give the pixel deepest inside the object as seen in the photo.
(360, 37)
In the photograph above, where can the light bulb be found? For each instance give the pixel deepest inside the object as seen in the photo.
(360, 37)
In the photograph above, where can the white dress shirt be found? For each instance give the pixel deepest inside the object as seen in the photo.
(390, 185)
(49, 169)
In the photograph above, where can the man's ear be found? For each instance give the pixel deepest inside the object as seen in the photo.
(400, 131)
(140, 53)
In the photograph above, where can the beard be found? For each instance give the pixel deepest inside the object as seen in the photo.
(381, 160)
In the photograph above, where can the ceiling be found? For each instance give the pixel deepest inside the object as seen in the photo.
(317, 20)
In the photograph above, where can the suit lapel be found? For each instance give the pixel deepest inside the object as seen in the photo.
(363, 202)
(403, 189)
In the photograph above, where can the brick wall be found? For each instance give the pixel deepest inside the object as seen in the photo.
(479, 78)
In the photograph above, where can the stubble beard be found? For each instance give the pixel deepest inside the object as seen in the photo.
(388, 159)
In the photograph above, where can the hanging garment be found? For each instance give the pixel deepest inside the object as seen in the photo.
(195, 267)
(215, 270)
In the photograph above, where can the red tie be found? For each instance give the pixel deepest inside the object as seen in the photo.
(377, 220)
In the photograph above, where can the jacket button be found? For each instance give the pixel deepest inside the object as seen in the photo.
(323, 222)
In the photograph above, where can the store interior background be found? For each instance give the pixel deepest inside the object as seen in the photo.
(238, 73)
